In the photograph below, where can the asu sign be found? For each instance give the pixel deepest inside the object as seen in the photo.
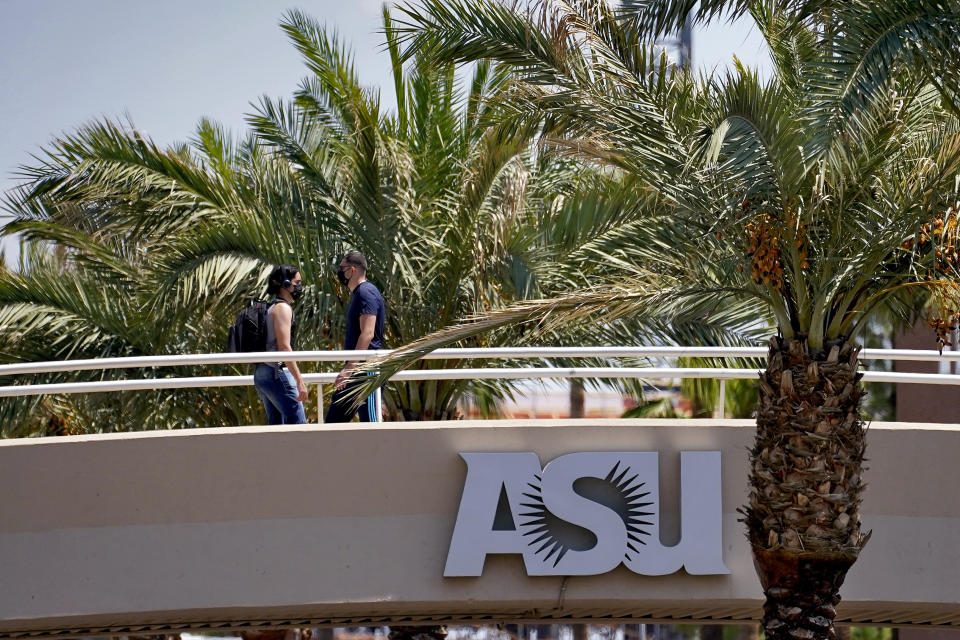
(586, 513)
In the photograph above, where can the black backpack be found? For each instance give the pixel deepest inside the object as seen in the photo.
(249, 332)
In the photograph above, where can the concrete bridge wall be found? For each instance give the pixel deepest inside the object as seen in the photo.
(221, 528)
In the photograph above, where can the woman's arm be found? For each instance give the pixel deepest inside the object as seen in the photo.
(282, 319)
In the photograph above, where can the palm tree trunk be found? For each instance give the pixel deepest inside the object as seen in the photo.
(577, 399)
(803, 516)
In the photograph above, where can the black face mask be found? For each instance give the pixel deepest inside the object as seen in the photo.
(297, 292)
(341, 277)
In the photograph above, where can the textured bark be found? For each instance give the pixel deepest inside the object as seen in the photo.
(802, 592)
(803, 515)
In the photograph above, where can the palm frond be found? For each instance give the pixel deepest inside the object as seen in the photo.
(663, 17)
(869, 41)
(645, 298)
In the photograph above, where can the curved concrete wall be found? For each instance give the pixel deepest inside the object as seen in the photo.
(339, 525)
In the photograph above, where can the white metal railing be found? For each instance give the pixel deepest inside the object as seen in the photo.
(319, 379)
(18, 368)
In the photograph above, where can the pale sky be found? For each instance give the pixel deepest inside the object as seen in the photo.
(166, 64)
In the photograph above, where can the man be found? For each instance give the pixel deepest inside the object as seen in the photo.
(366, 317)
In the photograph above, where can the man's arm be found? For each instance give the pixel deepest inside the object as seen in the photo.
(282, 319)
(368, 325)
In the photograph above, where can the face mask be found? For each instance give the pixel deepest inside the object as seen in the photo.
(297, 291)
(342, 277)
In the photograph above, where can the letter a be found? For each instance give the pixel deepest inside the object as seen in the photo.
(473, 534)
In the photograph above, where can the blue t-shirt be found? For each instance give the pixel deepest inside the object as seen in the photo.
(366, 300)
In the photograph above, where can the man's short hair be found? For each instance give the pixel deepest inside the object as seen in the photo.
(356, 259)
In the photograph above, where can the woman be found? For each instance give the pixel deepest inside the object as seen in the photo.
(279, 384)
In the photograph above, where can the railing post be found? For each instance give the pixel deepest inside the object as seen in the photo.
(379, 404)
(723, 398)
(319, 403)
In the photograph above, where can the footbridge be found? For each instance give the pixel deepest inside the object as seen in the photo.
(369, 524)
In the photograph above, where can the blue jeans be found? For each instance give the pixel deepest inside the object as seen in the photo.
(278, 392)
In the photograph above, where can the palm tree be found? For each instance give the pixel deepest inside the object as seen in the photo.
(59, 304)
(472, 216)
(412, 190)
(324, 173)
(457, 215)
(826, 195)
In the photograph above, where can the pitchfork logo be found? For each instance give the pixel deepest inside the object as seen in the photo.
(586, 513)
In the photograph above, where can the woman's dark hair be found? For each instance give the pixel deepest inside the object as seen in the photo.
(283, 273)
